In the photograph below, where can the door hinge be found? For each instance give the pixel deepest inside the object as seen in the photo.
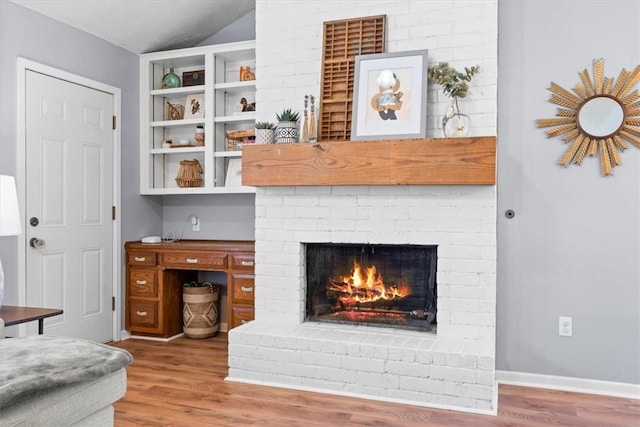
(113, 303)
(113, 122)
(113, 213)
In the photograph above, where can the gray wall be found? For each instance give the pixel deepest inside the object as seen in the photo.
(573, 248)
(241, 30)
(30, 35)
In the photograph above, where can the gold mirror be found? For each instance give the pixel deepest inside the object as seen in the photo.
(598, 118)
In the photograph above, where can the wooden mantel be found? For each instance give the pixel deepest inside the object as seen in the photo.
(430, 161)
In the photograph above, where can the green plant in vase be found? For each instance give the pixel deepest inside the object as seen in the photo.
(287, 128)
(265, 125)
(265, 132)
(455, 85)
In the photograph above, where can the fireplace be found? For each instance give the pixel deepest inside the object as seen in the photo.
(391, 286)
(452, 226)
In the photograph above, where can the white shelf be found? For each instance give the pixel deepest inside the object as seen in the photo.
(171, 123)
(228, 153)
(221, 92)
(177, 91)
(236, 86)
(198, 190)
(177, 150)
(241, 117)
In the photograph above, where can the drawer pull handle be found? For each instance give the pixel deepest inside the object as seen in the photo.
(246, 289)
(141, 313)
(247, 263)
(141, 282)
(192, 260)
(140, 259)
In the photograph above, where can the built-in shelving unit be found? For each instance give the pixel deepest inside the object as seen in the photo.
(221, 91)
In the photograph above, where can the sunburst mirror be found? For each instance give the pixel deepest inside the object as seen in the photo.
(598, 118)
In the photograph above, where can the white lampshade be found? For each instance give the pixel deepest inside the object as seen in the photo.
(9, 212)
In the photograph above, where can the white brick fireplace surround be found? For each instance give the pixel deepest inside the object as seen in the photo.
(454, 368)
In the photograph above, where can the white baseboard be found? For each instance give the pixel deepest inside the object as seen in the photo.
(125, 335)
(578, 385)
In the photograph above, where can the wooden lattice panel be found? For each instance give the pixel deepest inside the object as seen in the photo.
(343, 40)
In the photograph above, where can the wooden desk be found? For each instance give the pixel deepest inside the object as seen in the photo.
(13, 315)
(155, 274)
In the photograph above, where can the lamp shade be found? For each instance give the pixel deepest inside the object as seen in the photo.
(9, 212)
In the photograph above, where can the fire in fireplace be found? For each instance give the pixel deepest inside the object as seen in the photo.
(370, 284)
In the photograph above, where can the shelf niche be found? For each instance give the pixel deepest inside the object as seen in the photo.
(429, 161)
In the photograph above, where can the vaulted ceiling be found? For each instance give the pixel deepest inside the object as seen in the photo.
(142, 26)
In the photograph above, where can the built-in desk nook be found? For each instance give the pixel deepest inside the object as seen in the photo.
(156, 272)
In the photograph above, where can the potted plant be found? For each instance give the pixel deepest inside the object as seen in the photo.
(287, 128)
(265, 133)
(200, 310)
(455, 85)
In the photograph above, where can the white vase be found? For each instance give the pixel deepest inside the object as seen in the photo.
(265, 136)
(286, 132)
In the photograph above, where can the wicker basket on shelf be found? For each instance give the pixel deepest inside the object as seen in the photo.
(173, 111)
(237, 138)
(189, 173)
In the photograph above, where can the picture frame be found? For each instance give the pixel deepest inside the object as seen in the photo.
(194, 106)
(234, 173)
(390, 96)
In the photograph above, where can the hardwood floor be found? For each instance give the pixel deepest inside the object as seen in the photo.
(181, 383)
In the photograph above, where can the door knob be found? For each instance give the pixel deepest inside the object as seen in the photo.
(37, 243)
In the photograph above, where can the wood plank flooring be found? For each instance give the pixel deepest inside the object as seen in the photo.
(181, 383)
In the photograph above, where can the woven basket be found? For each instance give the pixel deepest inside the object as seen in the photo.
(236, 138)
(173, 112)
(200, 311)
(189, 173)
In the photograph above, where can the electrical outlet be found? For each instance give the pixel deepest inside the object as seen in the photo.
(565, 326)
(195, 223)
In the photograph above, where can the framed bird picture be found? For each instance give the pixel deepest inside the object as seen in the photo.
(194, 106)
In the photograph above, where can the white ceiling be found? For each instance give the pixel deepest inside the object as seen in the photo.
(142, 26)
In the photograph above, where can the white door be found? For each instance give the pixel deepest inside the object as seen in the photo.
(69, 197)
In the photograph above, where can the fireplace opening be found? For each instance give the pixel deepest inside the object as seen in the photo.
(390, 286)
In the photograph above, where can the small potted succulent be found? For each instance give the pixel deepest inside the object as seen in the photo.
(265, 133)
(455, 85)
(287, 128)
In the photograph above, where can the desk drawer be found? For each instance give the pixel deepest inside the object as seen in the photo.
(197, 261)
(142, 282)
(241, 315)
(143, 313)
(243, 288)
(141, 258)
(242, 261)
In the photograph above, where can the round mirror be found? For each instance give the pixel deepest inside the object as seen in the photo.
(597, 117)
(600, 116)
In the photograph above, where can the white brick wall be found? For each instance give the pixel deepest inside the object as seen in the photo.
(462, 32)
(453, 369)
